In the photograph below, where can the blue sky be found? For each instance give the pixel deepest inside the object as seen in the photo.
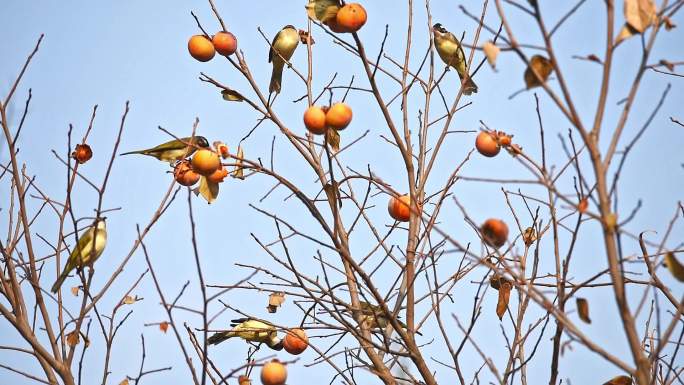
(110, 52)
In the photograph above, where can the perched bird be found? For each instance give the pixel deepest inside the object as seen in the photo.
(374, 317)
(252, 330)
(451, 52)
(174, 150)
(285, 42)
(89, 247)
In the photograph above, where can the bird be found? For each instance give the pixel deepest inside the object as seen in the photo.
(451, 52)
(89, 247)
(174, 150)
(251, 330)
(284, 44)
(374, 317)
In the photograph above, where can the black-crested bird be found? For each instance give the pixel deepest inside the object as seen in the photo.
(174, 150)
(285, 42)
(450, 50)
(89, 247)
(252, 330)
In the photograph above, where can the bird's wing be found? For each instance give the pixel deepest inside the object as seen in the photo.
(174, 144)
(81, 253)
(271, 52)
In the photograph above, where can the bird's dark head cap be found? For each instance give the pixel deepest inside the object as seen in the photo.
(438, 27)
(202, 141)
(289, 26)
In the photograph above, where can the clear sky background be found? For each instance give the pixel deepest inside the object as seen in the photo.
(105, 53)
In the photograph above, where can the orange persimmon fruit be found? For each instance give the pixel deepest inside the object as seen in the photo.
(273, 373)
(351, 17)
(494, 232)
(339, 116)
(295, 341)
(314, 120)
(201, 48)
(205, 162)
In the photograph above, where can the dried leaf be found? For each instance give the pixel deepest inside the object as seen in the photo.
(274, 301)
(86, 341)
(529, 236)
(239, 171)
(333, 138)
(542, 67)
(626, 32)
(667, 65)
(208, 190)
(74, 291)
(504, 297)
(491, 51)
(305, 38)
(232, 95)
(639, 14)
(128, 300)
(73, 338)
(82, 153)
(611, 221)
(496, 280)
(619, 380)
(322, 10)
(669, 25)
(583, 205)
(164, 326)
(594, 58)
(331, 192)
(675, 267)
(583, 309)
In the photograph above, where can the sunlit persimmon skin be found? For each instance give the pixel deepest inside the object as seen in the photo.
(205, 162)
(184, 174)
(351, 17)
(225, 43)
(314, 120)
(339, 116)
(218, 176)
(494, 232)
(273, 373)
(486, 144)
(201, 48)
(295, 341)
(400, 208)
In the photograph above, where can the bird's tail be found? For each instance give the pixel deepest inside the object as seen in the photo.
(219, 337)
(276, 78)
(60, 280)
(469, 87)
(134, 152)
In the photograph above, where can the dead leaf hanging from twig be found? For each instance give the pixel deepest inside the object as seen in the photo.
(676, 268)
(491, 51)
(583, 309)
(333, 138)
(274, 301)
(639, 15)
(239, 171)
(207, 189)
(542, 67)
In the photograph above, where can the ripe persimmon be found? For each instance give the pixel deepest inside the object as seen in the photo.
(334, 26)
(225, 43)
(487, 144)
(400, 208)
(339, 116)
(351, 17)
(314, 120)
(296, 341)
(205, 162)
(273, 373)
(494, 232)
(201, 48)
(218, 176)
(184, 174)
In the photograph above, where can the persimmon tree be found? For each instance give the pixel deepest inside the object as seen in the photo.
(424, 292)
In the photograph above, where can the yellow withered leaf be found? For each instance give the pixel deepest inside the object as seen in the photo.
(207, 189)
(619, 380)
(529, 236)
(583, 309)
(275, 300)
(239, 171)
(74, 291)
(542, 67)
(124, 382)
(504, 297)
(333, 138)
(128, 300)
(322, 10)
(639, 14)
(676, 268)
(491, 51)
(232, 95)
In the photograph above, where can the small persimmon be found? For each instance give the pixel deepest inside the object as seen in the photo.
(273, 373)
(339, 116)
(82, 153)
(225, 43)
(295, 341)
(351, 17)
(314, 120)
(201, 48)
(494, 232)
(184, 174)
(218, 176)
(487, 144)
(205, 162)
(400, 208)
